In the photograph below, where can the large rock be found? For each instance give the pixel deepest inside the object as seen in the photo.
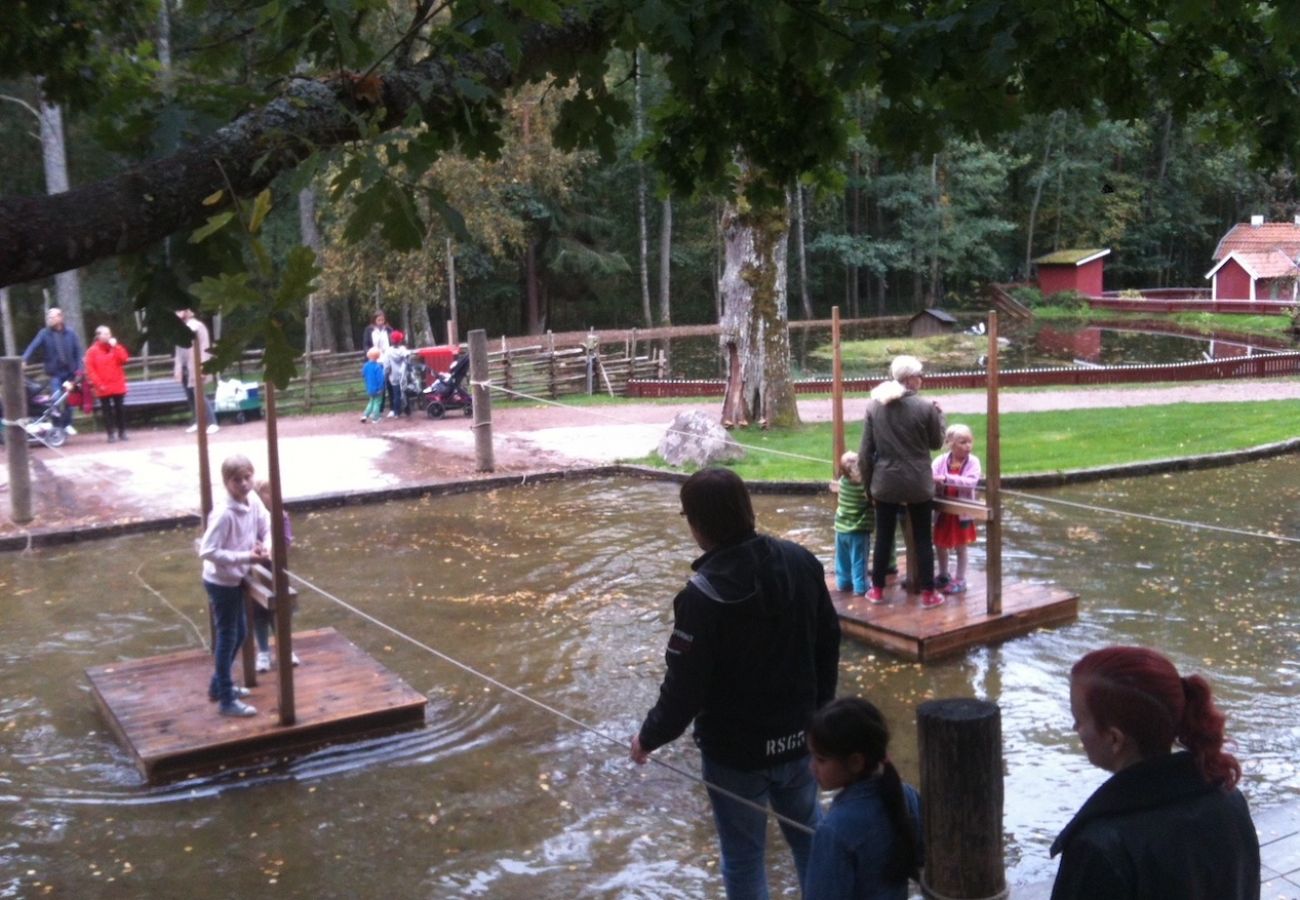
(696, 439)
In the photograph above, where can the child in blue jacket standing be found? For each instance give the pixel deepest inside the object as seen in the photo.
(373, 373)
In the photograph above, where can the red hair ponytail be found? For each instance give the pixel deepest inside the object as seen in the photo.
(1140, 692)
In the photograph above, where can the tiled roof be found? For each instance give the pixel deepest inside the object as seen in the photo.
(1268, 264)
(1283, 236)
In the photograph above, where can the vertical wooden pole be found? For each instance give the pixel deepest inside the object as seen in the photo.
(478, 377)
(15, 406)
(960, 744)
(993, 478)
(279, 566)
(201, 419)
(837, 395)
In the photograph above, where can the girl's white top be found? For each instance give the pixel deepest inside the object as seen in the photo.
(233, 529)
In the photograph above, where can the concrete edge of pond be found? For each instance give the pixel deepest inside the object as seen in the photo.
(59, 536)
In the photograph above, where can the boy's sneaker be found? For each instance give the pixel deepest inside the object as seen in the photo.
(239, 692)
(238, 709)
(193, 428)
(875, 595)
(263, 661)
(955, 587)
(70, 431)
(213, 429)
(296, 660)
(931, 599)
(365, 420)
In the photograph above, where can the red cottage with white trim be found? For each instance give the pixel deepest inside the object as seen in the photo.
(1079, 271)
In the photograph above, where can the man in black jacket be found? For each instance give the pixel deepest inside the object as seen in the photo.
(753, 652)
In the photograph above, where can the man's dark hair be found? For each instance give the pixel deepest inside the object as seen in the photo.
(716, 503)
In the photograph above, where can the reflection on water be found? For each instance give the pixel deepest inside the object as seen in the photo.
(563, 592)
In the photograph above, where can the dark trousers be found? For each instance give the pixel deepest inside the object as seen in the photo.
(114, 414)
(227, 604)
(887, 516)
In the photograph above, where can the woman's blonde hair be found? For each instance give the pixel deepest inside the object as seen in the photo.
(905, 367)
(955, 431)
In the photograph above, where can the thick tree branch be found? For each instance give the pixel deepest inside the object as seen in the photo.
(41, 236)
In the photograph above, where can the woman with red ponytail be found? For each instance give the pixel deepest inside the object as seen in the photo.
(1170, 823)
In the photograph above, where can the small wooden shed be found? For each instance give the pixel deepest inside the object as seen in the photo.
(1079, 271)
(930, 322)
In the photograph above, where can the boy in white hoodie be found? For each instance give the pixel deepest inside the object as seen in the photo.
(237, 536)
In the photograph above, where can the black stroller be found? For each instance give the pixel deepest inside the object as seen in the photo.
(448, 392)
(43, 413)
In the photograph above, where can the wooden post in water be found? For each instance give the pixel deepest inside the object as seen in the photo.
(279, 566)
(201, 419)
(482, 397)
(960, 744)
(993, 479)
(837, 395)
(15, 405)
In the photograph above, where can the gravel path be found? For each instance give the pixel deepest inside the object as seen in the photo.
(155, 474)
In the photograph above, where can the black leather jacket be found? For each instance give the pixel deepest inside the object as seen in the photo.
(754, 651)
(1157, 830)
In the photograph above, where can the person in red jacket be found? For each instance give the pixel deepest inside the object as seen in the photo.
(105, 366)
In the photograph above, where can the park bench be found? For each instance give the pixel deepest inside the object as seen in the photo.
(160, 393)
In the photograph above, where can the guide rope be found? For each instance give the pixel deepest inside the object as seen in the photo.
(1163, 520)
(500, 685)
(203, 641)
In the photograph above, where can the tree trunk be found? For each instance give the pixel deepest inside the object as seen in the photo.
(755, 336)
(67, 284)
(1038, 198)
(643, 244)
(453, 318)
(320, 336)
(666, 262)
(854, 212)
(7, 321)
(805, 301)
(936, 233)
(532, 291)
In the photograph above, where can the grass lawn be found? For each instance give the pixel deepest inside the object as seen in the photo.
(1048, 441)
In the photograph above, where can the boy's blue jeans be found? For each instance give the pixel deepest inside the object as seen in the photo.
(228, 617)
(742, 830)
(851, 560)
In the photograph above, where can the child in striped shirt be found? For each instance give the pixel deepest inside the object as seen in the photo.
(853, 520)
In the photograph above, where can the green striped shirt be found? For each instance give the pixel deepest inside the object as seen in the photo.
(853, 513)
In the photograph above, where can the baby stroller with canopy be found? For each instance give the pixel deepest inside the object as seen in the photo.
(43, 413)
(448, 392)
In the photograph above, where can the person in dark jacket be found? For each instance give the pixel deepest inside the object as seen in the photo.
(61, 358)
(754, 651)
(1167, 825)
(898, 433)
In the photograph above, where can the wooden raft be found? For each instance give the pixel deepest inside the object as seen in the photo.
(903, 627)
(159, 710)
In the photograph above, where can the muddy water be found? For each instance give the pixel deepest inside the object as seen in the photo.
(563, 591)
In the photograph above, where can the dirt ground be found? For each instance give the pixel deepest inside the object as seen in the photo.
(154, 475)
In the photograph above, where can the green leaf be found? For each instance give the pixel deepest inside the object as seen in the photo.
(215, 224)
(261, 206)
(227, 292)
(298, 279)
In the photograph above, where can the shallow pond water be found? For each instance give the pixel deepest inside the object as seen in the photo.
(563, 591)
(1038, 344)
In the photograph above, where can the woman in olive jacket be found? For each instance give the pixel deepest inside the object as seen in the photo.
(1167, 825)
(898, 434)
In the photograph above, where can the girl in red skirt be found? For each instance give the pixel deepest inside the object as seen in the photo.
(956, 473)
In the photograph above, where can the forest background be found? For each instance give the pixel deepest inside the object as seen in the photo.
(599, 232)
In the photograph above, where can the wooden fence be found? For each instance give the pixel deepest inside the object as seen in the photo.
(331, 381)
(1262, 366)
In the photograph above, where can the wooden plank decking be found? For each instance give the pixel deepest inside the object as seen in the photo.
(903, 627)
(159, 710)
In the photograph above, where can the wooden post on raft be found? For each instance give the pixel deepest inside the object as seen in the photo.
(837, 395)
(279, 566)
(15, 406)
(482, 399)
(960, 744)
(201, 419)
(993, 479)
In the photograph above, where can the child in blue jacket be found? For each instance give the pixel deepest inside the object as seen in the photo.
(373, 373)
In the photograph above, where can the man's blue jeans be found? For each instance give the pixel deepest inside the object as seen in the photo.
(231, 627)
(742, 830)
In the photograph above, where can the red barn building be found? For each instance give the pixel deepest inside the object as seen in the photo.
(1257, 261)
(1079, 271)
